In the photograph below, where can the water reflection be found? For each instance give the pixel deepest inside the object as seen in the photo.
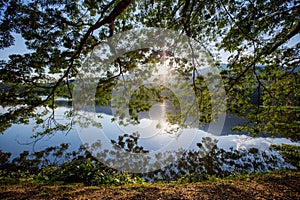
(155, 156)
(81, 166)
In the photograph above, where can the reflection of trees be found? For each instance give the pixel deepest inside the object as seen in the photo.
(217, 162)
(129, 143)
(58, 163)
(207, 159)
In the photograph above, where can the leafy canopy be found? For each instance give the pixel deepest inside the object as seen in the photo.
(261, 78)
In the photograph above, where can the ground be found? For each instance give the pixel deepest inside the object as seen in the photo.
(274, 186)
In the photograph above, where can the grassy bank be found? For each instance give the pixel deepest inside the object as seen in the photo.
(283, 184)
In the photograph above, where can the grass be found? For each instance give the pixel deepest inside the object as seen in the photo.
(272, 184)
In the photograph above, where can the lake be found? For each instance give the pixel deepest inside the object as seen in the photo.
(153, 134)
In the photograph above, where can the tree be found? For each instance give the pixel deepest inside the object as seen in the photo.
(61, 33)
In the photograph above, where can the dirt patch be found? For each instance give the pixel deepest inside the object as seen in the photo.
(273, 187)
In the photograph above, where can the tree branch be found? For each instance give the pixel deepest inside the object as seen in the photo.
(118, 10)
(267, 50)
(295, 30)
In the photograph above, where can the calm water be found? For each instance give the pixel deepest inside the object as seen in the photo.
(166, 144)
(153, 131)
